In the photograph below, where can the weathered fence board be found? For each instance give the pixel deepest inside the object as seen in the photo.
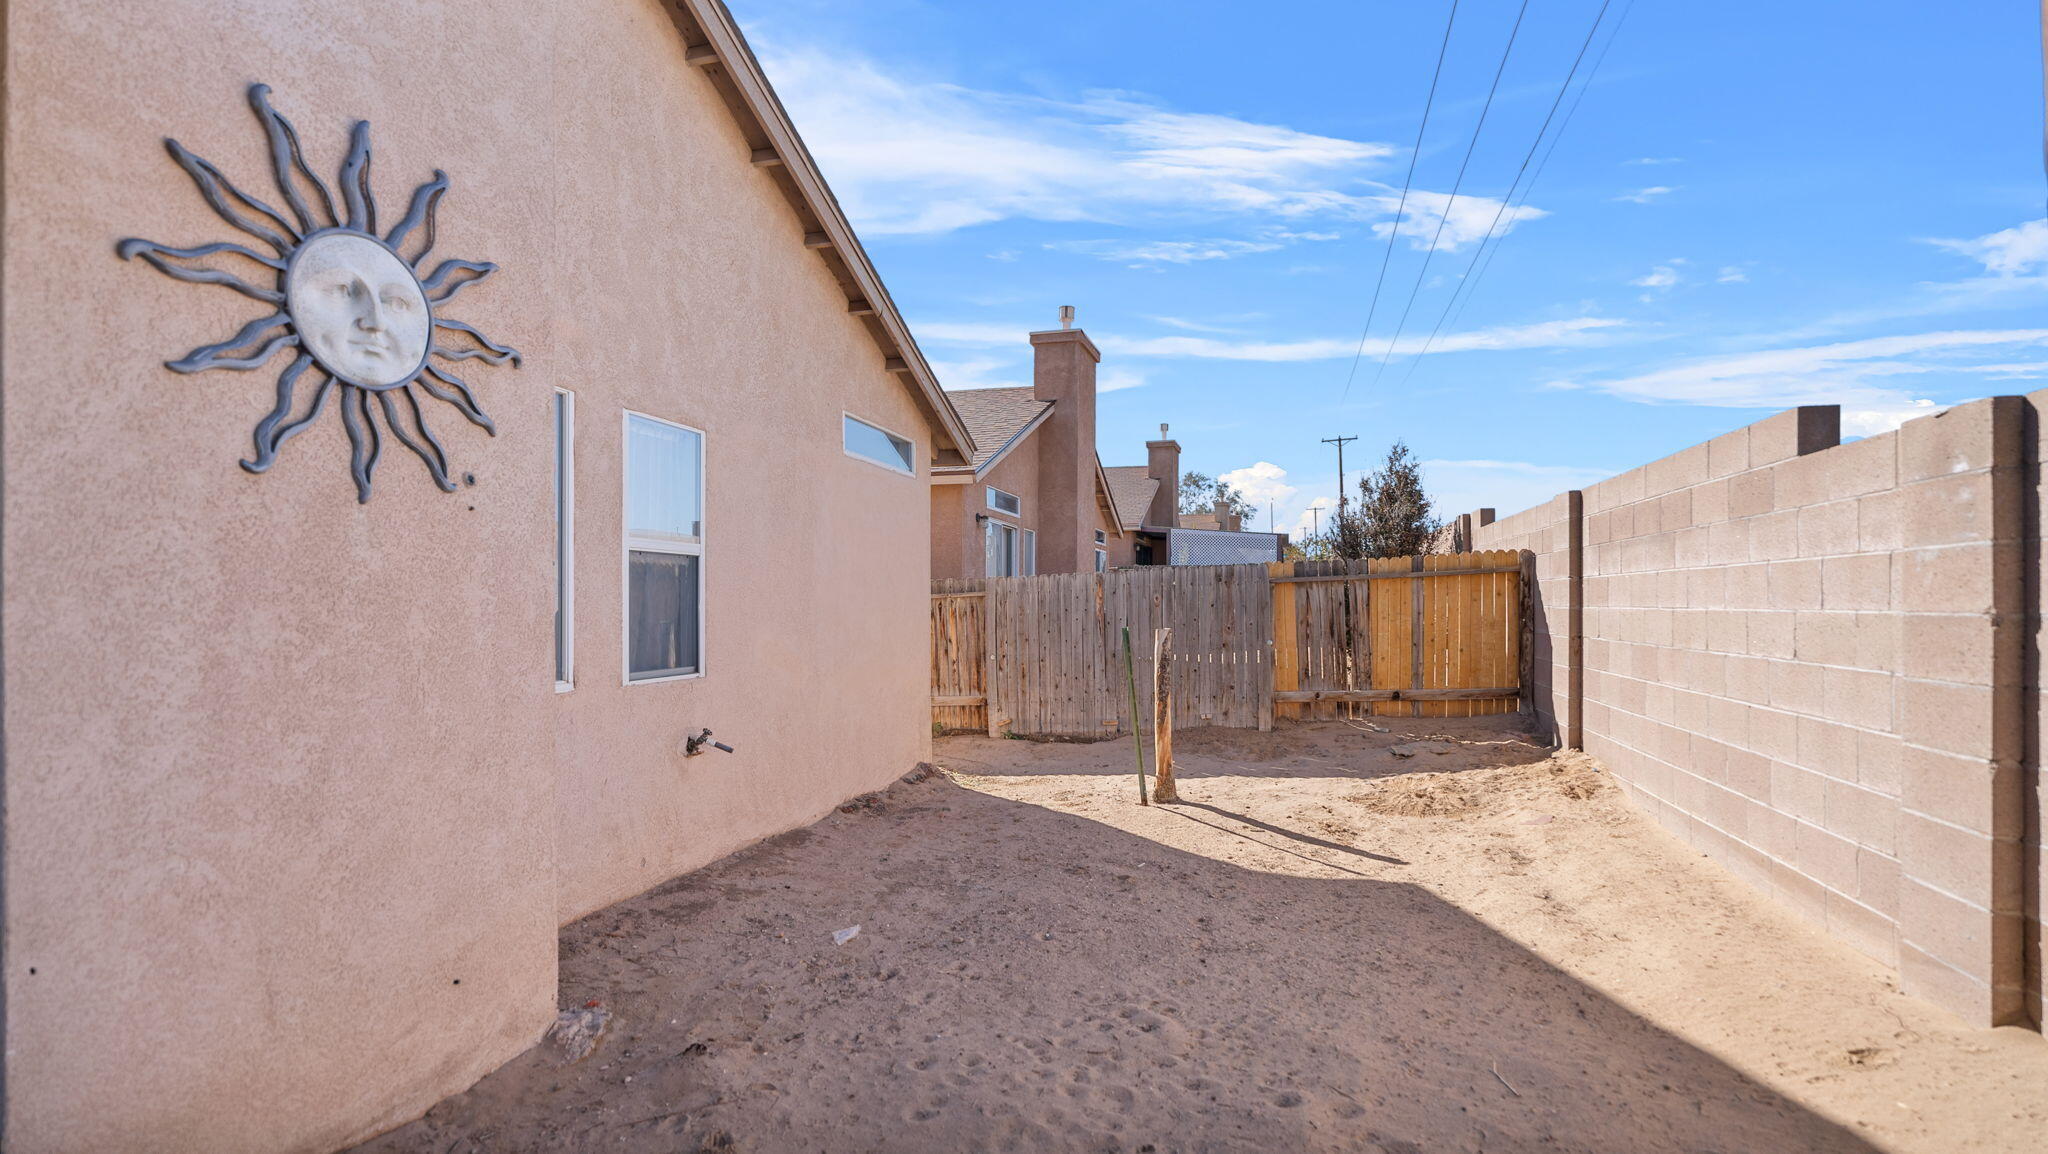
(1430, 636)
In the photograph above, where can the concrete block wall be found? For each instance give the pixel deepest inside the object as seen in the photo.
(1808, 659)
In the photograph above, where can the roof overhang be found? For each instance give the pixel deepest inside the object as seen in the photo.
(963, 474)
(714, 45)
(1116, 519)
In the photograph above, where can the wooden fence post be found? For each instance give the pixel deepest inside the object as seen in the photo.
(1162, 717)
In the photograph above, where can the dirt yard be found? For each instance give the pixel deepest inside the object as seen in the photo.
(1431, 939)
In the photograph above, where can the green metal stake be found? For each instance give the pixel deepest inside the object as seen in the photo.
(1137, 729)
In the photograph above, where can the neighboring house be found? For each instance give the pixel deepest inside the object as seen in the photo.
(299, 789)
(1034, 497)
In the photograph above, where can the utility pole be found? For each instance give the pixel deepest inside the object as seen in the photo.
(1315, 523)
(1344, 499)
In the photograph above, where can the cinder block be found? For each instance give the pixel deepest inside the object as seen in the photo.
(1710, 502)
(1877, 640)
(1952, 718)
(1750, 494)
(1862, 581)
(1828, 747)
(1965, 507)
(1880, 521)
(1728, 541)
(1826, 858)
(1795, 584)
(1871, 820)
(1950, 858)
(1870, 465)
(1948, 647)
(1877, 882)
(1980, 943)
(1827, 638)
(1924, 976)
(1803, 895)
(1798, 792)
(1829, 529)
(1867, 931)
(1728, 454)
(1796, 686)
(1748, 774)
(1748, 586)
(1803, 481)
(1773, 733)
(1770, 633)
(1859, 697)
(1773, 832)
(1774, 536)
(1976, 793)
(1728, 632)
(1794, 433)
(1878, 762)
(1979, 435)
(1953, 578)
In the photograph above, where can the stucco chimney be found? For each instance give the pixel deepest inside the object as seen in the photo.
(1063, 372)
(1162, 464)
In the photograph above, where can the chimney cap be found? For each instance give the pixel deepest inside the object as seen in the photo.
(1066, 316)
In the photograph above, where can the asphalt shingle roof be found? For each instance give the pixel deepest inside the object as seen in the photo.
(1133, 489)
(995, 416)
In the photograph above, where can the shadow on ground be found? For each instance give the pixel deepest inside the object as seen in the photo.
(1026, 979)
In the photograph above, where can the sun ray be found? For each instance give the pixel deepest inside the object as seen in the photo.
(267, 449)
(435, 457)
(208, 356)
(286, 157)
(447, 268)
(365, 444)
(287, 382)
(461, 398)
(330, 260)
(493, 353)
(154, 254)
(424, 200)
(354, 176)
(218, 189)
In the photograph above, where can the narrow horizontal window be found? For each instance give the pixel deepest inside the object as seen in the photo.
(1003, 502)
(880, 446)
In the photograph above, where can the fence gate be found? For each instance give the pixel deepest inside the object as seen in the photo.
(1437, 635)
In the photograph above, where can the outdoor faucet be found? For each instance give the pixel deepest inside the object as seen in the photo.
(692, 746)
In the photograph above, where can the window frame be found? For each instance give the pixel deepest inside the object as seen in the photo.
(628, 543)
(1102, 560)
(993, 524)
(565, 538)
(989, 498)
(894, 467)
(1027, 552)
(1102, 537)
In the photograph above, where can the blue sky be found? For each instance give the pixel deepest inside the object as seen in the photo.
(1753, 205)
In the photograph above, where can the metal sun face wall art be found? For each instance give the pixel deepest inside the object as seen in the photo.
(357, 311)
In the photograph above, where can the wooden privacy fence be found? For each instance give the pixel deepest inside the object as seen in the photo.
(1438, 635)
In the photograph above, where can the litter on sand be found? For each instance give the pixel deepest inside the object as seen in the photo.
(841, 937)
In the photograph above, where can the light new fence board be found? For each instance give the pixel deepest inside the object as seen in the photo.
(1411, 636)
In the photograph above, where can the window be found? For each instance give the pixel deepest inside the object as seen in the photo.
(664, 550)
(1003, 502)
(878, 445)
(1000, 544)
(565, 540)
(1029, 564)
(1102, 560)
(1101, 538)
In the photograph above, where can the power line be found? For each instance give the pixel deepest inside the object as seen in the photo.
(1445, 217)
(1399, 210)
(1458, 289)
(1592, 74)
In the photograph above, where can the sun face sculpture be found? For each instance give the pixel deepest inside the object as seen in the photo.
(356, 311)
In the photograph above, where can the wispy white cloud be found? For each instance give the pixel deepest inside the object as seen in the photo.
(1113, 380)
(1164, 251)
(1731, 274)
(978, 373)
(1578, 332)
(2009, 252)
(1661, 277)
(1463, 222)
(1858, 375)
(1656, 160)
(1646, 195)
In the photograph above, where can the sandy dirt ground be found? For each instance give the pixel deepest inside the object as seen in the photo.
(1437, 938)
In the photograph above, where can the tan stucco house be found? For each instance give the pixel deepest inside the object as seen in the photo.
(1035, 497)
(307, 760)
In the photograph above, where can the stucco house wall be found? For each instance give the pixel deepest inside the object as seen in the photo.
(293, 810)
